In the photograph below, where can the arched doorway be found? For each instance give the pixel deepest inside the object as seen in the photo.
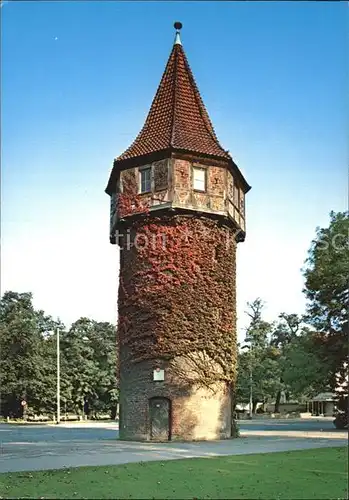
(160, 419)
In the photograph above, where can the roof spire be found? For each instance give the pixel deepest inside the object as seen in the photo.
(177, 119)
(178, 26)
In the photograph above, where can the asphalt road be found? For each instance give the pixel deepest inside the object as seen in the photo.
(101, 431)
(32, 447)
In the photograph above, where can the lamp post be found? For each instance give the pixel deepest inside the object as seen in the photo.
(251, 387)
(251, 379)
(58, 380)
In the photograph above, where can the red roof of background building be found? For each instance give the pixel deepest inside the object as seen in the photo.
(177, 118)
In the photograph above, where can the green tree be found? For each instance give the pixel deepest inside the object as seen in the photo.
(326, 288)
(286, 329)
(260, 359)
(258, 330)
(89, 366)
(103, 342)
(26, 371)
(28, 343)
(303, 372)
(284, 333)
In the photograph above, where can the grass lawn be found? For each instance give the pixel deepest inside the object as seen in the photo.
(308, 474)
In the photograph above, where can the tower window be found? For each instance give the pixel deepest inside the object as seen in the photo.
(145, 175)
(199, 179)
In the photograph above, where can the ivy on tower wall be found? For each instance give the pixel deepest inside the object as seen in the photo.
(129, 201)
(177, 292)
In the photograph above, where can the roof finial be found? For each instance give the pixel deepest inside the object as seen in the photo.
(178, 26)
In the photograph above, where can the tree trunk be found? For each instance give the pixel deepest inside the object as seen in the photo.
(113, 412)
(277, 402)
(234, 432)
(86, 408)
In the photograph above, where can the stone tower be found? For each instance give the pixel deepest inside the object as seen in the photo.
(177, 213)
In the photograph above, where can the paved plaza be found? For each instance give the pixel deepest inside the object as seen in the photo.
(36, 447)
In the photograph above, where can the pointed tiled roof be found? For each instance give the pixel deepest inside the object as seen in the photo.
(176, 123)
(177, 118)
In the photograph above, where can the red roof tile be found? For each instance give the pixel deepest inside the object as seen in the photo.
(177, 118)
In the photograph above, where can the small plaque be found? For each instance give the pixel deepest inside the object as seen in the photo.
(158, 375)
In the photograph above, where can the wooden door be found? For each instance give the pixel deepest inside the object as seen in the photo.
(159, 411)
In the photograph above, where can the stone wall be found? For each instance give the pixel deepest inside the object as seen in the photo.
(197, 413)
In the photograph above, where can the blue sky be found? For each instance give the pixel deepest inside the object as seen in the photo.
(78, 79)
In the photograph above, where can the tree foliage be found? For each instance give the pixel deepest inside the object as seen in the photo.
(327, 290)
(28, 340)
(260, 358)
(303, 373)
(90, 366)
(304, 356)
(282, 357)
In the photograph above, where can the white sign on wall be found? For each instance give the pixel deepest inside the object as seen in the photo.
(158, 375)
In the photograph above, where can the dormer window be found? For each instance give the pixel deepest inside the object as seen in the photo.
(199, 179)
(145, 180)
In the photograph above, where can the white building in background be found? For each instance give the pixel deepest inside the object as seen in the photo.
(324, 404)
